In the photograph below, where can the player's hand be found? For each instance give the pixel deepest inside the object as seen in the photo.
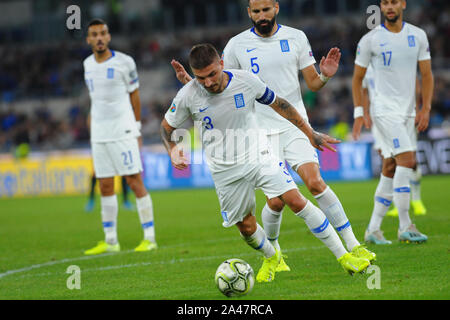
(367, 121)
(422, 119)
(178, 159)
(180, 72)
(357, 126)
(330, 65)
(321, 140)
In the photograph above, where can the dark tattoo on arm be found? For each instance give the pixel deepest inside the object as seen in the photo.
(166, 134)
(285, 109)
(318, 138)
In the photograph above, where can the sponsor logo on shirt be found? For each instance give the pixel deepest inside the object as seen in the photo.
(250, 50)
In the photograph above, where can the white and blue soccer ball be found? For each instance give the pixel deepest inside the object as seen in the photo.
(235, 277)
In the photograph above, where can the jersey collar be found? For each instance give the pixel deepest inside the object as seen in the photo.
(403, 25)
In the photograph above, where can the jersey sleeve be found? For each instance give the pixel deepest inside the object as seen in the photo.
(305, 53)
(363, 52)
(131, 75)
(424, 47)
(263, 93)
(229, 56)
(178, 111)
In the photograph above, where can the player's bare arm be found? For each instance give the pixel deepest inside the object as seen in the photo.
(136, 104)
(176, 154)
(180, 72)
(328, 68)
(358, 76)
(366, 106)
(423, 116)
(318, 140)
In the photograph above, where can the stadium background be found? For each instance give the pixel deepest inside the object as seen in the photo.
(44, 140)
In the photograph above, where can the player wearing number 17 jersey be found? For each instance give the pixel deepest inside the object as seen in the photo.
(394, 49)
(112, 80)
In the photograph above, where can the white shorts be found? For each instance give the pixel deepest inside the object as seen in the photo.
(294, 147)
(235, 188)
(396, 135)
(376, 138)
(117, 158)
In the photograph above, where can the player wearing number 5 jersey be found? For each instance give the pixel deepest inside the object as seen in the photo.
(276, 53)
(224, 102)
(112, 80)
(394, 49)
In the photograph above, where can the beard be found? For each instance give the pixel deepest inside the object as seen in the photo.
(392, 20)
(267, 29)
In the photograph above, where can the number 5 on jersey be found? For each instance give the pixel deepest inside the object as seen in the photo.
(255, 66)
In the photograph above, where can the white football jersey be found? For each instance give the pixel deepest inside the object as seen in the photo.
(276, 60)
(394, 59)
(110, 84)
(227, 118)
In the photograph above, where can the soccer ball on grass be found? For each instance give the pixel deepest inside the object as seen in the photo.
(234, 277)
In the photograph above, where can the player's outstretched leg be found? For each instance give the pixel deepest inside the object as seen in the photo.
(254, 235)
(318, 223)
(330, 205)
(271, 218)
(109, 210)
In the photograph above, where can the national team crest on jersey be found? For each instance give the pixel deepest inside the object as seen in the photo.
(110, 73)
(411, 41)
(239, 100)
(284, 46)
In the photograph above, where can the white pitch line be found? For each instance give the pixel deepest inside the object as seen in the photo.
(113, 267)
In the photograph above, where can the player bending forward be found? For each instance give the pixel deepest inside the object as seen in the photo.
(224, 101)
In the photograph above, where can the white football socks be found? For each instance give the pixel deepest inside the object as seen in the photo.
(402, 195)
(318, 224)
(416, 176)
(382, 201)
(332, 207)
(145, 210)
(258, 241)
(109, 210)
(271, 223)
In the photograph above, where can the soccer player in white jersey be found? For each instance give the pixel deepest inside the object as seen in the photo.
(224, 102)
(394, 49)
(368, 95)
(276, 53)
(112, 80)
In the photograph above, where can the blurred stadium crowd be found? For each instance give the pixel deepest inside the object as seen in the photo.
(40, 72)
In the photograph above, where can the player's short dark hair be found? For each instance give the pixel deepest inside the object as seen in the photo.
(95, 22)
(202, 55)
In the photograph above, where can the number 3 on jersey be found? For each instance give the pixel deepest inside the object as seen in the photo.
(208, 123)
(255, 66)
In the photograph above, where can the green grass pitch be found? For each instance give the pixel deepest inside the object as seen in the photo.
(41, 237)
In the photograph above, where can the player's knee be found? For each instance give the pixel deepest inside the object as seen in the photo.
(276, 204)
(316, 185)
(296, 204)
